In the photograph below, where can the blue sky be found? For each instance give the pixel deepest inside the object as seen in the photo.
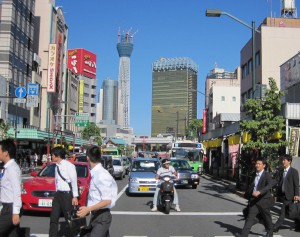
(166, 28)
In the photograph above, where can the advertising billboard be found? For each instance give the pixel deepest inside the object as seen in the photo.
(52, 69)
(204, 112)
(81, 96)
(82, 62)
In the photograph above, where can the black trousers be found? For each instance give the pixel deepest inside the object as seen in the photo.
(62, 203)
(252, 219)
(283, 213)
(7, 228)
(99, 224)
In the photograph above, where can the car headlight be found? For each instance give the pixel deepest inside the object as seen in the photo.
(194, 176)
(23, 190)
(133, 180)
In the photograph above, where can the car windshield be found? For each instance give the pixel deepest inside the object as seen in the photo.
(180, 165)
(144, 166)
(116, 162)
(49, 171)
(190, 155)
(81, 158)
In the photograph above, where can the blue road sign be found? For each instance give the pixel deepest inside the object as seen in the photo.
(20, 92)
(33, 89)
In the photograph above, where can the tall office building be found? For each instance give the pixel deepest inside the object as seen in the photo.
(124, 47)
(50, 43)
(16, 43)
(174, 95)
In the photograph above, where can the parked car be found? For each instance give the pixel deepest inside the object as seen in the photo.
(119, 169)
(142, 175)
(186, 175)
(80, 157)
(38, 192)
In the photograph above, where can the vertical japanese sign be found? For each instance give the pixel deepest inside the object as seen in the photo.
(81, 96)
(204, 121)
(52, 68)
(294, 141)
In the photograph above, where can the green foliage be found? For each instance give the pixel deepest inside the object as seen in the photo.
(3, 130)
(191, 131)
(266, 119)
(92, 131)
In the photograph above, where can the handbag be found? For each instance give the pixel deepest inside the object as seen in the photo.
(79, 196)
(293, 210)
(75, 222)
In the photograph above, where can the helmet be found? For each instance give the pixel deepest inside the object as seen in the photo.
(165, 161)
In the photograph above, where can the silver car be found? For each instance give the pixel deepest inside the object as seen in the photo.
(119, 169)
(142, 175)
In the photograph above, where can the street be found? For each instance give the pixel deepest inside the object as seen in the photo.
(212, 209)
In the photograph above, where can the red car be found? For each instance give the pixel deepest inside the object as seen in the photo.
(38, 192)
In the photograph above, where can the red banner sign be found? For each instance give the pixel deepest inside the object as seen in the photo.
(204, 124)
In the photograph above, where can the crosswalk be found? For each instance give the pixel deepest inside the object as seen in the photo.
(44, 235)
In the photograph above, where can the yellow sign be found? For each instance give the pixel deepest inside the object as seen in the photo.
(81, 96)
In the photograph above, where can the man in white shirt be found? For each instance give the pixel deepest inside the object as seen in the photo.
(66, 195)
(10, 191)
(102, 196)
(169, 170)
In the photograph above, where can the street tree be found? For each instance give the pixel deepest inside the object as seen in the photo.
(192, 129)
(265, 125)
(92, 131)
(3, 129)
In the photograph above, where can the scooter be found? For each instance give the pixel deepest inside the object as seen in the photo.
(166, 193)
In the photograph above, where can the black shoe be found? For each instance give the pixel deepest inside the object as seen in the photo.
(275, 228)
(269, 235)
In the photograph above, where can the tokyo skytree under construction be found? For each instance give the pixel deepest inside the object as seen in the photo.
(125, 47)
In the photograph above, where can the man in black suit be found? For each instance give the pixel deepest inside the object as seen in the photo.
(288, 190)
(260, 199)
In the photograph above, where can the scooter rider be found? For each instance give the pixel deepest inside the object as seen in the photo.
(169, 170)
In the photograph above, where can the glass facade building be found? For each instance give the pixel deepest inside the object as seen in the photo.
(174, 95)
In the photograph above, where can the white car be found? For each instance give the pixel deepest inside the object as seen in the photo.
(119, 169)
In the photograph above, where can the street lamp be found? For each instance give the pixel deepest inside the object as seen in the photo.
(218, 13)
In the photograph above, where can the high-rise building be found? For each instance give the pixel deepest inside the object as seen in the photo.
(16, 42)
(83, 63)
(50, 44)
(174, 95)
(124, 47)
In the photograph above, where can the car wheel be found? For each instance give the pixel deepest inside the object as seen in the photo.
(194, 186)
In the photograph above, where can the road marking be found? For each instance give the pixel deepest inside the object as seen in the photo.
(122, 191)
(178, 213)
(39, 235)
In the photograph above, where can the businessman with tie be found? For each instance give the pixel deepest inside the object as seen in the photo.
(287, 191)
(260, 199)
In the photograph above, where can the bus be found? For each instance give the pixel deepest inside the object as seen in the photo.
(111, 151)
(193, 152)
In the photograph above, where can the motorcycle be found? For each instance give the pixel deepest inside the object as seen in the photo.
(166, 193)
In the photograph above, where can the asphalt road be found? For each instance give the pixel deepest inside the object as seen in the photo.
(210, 210)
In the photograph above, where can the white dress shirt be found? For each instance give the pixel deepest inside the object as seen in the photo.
(68, 171)
(102, 187)
(257, 178)
(11, 185)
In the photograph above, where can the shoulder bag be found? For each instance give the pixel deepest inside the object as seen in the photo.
(69, 183)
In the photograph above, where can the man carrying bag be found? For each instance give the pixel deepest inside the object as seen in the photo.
(287, 191)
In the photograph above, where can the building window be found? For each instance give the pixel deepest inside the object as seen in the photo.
(257, 59)
(250, 66)
(233, 98)
(222, 98)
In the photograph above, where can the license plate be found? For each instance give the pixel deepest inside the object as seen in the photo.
(184, 181)
(145, 189)
(45, 202)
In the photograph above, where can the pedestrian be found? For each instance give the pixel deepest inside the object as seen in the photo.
(10, 191)
(35, 159)
(102, 197)
(66, 189)
(287, 191)
(260, 199)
